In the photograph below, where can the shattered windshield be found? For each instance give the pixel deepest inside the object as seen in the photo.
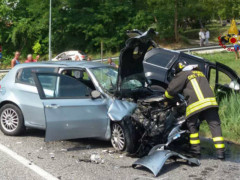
(107, 77)
(134, 81)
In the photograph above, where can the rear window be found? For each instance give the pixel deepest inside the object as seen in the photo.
(24, 75)
(161, 59)
(81, 52)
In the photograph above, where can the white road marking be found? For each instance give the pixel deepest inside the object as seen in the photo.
(27, 163)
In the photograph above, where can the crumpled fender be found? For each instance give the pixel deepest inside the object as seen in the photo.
(155, 161)
(118, 109)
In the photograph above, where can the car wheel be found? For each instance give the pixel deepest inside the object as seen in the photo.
(11, 120)
(123, 136)
(158, 88)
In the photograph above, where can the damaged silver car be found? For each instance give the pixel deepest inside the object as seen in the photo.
(90, 100)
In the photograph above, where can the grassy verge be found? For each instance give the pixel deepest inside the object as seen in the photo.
(229, 114)
(227, 58)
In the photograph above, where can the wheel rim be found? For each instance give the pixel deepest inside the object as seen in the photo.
(118, 138)
(9, 120)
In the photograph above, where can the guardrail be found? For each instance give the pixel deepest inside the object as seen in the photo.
(105, 59)
(4, 70)
(188, 50)
(201, 48)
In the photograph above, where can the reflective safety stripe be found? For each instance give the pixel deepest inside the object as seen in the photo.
(216, 139)
(197, 89)
(168, 96)
(219, 146)
(200, 104)
(195, 141)
(195, 135)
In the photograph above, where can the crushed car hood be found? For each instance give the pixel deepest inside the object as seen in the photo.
(132, 56)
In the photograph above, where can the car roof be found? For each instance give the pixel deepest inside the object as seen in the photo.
(73, 52)
(80, 64)
(183, 54)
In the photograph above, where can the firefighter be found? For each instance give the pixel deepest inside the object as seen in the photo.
(201, 105)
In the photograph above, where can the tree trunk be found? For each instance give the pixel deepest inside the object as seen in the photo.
(176, 22)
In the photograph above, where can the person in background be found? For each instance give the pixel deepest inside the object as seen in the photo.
(236, 46)
(236, 50)
(15, 61)
(201, 37)
(37, 58)
(111, 63)
(29, 59)
(207, 37)
(77, 58)
(89, 59)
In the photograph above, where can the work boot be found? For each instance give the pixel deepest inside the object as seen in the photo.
(220, 154)
(195, 151)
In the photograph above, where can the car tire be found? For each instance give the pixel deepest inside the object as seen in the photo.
(157, 88)
(124, 131)
(11, 120)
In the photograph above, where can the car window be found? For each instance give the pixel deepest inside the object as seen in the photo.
(62, 86)
(82, 53)
(60, 56)
(80, 75)
(107, 77)
(25, 75)
(223, 78)
(161, 59)
(212, 78)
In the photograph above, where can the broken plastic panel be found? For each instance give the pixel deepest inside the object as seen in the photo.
(155, 161)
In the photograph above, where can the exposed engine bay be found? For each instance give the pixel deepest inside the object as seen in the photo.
(154, 119)
(157, 115)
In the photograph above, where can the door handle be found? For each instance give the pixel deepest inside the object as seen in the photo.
(53, 106)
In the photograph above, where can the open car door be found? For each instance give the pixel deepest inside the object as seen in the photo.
(227, 80)
(70, 112)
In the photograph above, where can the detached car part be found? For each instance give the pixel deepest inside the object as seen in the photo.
(155, 161)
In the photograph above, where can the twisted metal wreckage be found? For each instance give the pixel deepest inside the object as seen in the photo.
(157, 124)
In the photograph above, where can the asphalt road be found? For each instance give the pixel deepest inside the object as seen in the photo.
(71, 160)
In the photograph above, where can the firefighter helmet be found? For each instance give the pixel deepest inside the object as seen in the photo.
(179, 66)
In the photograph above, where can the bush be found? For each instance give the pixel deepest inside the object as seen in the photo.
(6, 62)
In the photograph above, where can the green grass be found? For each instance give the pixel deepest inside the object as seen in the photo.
(227, 58)
(229, 110)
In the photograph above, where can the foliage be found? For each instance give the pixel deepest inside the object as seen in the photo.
(84, 24)
(37, 48)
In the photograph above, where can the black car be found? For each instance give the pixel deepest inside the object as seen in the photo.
(159, 66)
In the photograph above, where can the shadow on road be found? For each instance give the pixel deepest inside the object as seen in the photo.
(34, 133)
(84, 143)
(208, 150)
(207, 147)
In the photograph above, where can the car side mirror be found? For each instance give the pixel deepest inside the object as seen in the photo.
(95, 94)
